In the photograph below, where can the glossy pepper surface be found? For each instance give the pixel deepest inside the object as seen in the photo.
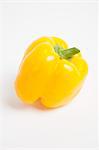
(50, 72)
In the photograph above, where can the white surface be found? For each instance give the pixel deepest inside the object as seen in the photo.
(70, 126)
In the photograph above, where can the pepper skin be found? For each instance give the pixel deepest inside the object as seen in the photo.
(44, 76)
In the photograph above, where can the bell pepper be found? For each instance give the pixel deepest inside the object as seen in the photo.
(50, 72)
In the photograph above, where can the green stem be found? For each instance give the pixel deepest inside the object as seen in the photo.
(66, 53)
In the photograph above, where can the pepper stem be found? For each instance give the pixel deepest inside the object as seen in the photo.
(66, 53)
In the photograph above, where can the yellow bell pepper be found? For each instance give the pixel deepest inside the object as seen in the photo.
(50, 72)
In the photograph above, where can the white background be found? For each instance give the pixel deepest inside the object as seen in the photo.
(70, 126)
